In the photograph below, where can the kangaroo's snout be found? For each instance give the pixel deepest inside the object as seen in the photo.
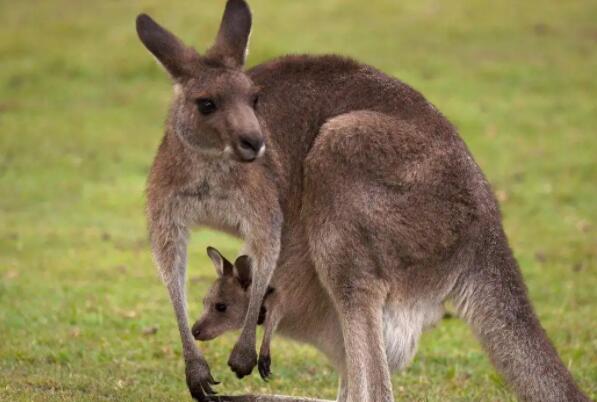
(196, 331)
(198, 334)
(249, 147)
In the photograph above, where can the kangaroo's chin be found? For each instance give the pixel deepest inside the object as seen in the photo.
(204, 338)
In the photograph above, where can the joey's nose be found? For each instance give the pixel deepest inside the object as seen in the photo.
(196, 331)
(249, 148)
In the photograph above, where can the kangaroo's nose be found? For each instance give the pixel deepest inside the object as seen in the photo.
(250, 148)
(196, 331)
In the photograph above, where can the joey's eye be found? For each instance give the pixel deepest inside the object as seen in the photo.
(255, 100)
(206, 106)
(220, 307)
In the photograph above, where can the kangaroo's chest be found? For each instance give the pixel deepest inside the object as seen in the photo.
(214, 199)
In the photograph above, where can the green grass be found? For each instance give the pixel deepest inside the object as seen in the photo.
(81, 111)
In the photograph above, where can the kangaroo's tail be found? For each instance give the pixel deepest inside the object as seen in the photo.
(492, 297)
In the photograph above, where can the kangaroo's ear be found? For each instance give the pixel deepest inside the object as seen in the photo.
(242, 265)
(222, 265)
(174, 55)
(233, 36)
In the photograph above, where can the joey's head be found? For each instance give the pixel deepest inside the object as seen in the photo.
(214, 106)
(227, 301)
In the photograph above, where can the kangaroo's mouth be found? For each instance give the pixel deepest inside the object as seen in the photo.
(200, 334)
(247, 149)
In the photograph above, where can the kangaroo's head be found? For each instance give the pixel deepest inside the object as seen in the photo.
(227, 301)
(213, 110)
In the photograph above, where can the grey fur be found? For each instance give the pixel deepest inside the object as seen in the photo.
(358, 173)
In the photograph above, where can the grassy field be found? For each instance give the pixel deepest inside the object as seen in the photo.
(81, 111)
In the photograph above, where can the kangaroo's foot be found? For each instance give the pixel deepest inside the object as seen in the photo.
(199, 380)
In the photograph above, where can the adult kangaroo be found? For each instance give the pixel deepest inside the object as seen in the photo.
(359, 169)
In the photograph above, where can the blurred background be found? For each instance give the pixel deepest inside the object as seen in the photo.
(83, 314)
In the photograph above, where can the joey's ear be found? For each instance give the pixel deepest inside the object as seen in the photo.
(222, 265)
(233, 36)
(242, 265)
(174, 55)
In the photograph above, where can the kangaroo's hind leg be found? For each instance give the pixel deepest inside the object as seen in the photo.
(380, 207)
(351, 222)
(359, 302)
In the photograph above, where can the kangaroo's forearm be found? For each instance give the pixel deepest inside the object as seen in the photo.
(265, 265)
(177, 296)
(168, 242)
(169, 245)
(271, 324)
(265, 248)
(263, 244)
(261, 280)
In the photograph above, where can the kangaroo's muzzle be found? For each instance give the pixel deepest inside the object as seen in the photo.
(249, 147)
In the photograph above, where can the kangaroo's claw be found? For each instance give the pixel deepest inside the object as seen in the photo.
(200, 380)
(264, 365)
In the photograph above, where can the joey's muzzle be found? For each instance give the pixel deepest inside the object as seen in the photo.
(249, 147)
(199, 333)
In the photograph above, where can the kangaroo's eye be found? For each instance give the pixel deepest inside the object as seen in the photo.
(220, 307)
(206, 106)
(255, 101)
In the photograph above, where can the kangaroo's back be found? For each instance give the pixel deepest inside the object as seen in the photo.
(300, 93)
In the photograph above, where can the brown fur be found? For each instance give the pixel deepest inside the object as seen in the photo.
(361, 175)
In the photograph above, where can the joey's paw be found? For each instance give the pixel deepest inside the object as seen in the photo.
(199, 380)
(264, 363)
(242, 360)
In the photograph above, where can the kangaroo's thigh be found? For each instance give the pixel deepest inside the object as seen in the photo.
(347, 209)
(378, 189)
(342, 243)
(334, 175)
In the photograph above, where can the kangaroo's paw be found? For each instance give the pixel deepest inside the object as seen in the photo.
(242, 360)
(263, 364)
(200, 380)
